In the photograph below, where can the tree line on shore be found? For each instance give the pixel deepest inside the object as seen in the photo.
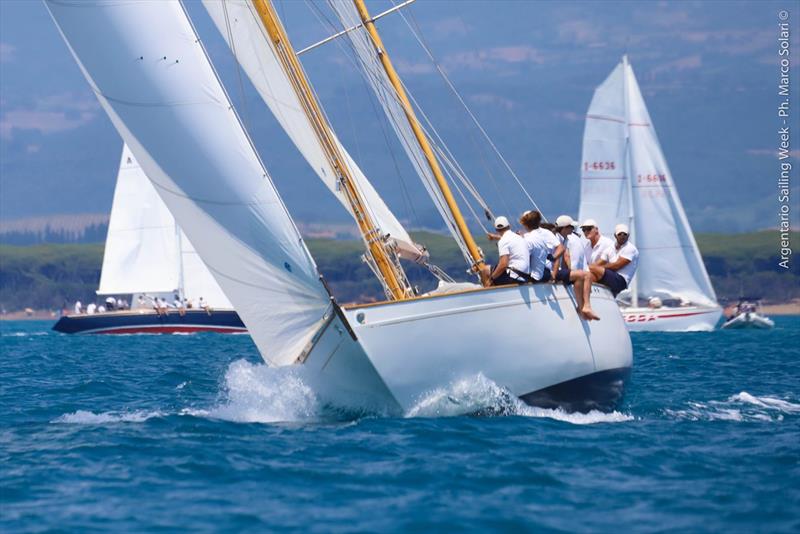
(52, 276)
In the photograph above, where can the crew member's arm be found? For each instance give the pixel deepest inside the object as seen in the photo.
(619, 264)
(501, 267)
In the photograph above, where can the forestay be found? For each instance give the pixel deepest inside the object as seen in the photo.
(669, 261)
(150, 72)
(240, 26)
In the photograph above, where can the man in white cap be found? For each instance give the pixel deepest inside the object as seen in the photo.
(596, 243)
(618, 264)
(513, 264)
(572, 268)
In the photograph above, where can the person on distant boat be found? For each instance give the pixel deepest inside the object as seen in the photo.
(513, 265)
(179, 304)
(572, 266)
(596, 243)
(101, 309)
(541, 244)
(111, 303)
(618, 264)
(78, 307)
(91, 308)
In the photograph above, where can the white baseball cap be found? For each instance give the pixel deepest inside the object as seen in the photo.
(564, 220)
(621, 229)
(589, 222)
(501, 222)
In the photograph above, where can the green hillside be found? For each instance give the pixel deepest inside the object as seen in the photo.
(48, 276)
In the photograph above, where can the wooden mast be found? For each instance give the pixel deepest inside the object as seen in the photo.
(390, 271)
(422, 139)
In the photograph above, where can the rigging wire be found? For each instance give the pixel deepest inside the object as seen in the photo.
(417, 33)
(375, 79)
(381, 118)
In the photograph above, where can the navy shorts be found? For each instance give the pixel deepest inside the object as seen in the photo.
(563, 275)
(614, 281)
(546, 276)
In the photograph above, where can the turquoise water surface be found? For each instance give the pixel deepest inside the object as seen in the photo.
(193, 432)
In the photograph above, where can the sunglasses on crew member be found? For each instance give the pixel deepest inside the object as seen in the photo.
(585, 229)
(623, 233)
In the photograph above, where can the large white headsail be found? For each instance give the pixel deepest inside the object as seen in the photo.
(670, 260)
(240, 26)
(604, 188)
(149, 71)
(141, 253)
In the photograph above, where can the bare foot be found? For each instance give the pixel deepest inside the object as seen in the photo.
(589, 314)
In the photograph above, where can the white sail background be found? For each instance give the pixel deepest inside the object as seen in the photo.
(143, 243)
(151, 75)
(669, 260)
(141, 253)
(241, 28)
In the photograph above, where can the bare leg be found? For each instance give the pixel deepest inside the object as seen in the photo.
(597, 272)
(485, 273)
(576, 277)
(587, 305)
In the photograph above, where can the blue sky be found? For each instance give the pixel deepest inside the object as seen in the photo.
(708, 71)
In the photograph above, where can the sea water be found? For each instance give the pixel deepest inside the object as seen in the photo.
(194, 433)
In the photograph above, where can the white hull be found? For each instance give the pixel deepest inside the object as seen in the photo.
(683, 319)
(526, 339)
(749, 320)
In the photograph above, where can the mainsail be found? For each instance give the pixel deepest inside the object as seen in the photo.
(625, 178)
(147, 67)
(146, 252)
(254, 50)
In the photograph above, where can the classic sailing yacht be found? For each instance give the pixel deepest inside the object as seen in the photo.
(155, 81)
(147, 257)
(625, 179)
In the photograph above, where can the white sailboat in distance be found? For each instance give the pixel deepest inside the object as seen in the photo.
(625, 179)
(154, 79)
(148, 259)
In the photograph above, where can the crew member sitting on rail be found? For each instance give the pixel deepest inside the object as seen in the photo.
(513, 265)
(618, 264)
(596, 243)
(78, 307)
(541, 243)
(573, 266)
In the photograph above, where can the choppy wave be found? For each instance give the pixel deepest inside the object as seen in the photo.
(84, 417)
(26, 334)
(256, 393)
(481, 396)
(740, 407)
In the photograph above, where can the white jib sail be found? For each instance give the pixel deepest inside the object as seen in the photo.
(669, 261)
(152, 76)
(142, 246)
(141, 253)
(239, 24)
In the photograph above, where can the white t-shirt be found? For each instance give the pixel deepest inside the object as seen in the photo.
(577, 251)
(514, 246)
(627, 251)
(90, 309)
(541, 242)
(594, 253)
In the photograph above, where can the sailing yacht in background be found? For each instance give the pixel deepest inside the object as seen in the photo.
(625, 179)
(148, 257)
(155, 81)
